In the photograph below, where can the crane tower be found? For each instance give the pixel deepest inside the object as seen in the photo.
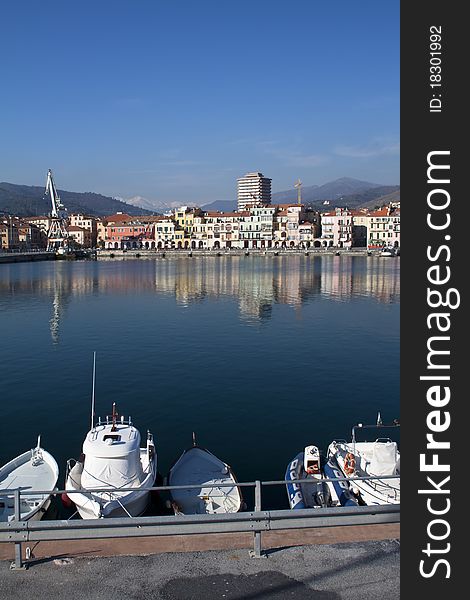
(57, 234)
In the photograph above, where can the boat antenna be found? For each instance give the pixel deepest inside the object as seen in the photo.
(194, 439)
(93, 391)
(114, 416)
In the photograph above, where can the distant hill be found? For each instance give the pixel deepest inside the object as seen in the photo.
(333, 190)
(348, 192)
(377, 196)
(25, 200)
(382, 200)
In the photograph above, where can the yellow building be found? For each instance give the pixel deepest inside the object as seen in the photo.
(184, 218)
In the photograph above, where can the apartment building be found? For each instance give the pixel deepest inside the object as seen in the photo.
(253, 189)
(383, 227)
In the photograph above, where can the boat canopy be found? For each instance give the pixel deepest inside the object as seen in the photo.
(102, 472)
(102, 442)
(112, 458)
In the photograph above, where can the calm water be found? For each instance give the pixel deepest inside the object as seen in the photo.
(258, 355)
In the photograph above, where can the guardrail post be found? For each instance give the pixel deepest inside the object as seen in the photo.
(18, 565)
(256, 552)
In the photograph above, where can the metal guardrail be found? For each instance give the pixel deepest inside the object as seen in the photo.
(255, 521)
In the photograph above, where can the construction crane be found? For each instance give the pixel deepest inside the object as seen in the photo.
(57, 234)
(298, 185)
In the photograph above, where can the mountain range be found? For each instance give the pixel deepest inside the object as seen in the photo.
(23, 200)
(26, 200)
(346, 191)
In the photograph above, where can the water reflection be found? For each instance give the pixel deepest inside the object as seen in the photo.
(257, 283)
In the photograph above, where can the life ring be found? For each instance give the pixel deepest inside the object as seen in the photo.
(349, 463)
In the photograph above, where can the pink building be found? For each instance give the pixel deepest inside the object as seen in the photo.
(337, 228)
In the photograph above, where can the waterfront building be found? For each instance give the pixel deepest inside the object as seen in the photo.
(44, 223)
(256, 227)
(337, 228)
(80, 235)
(101, 233)
(184, 219)
(124, 233)
(225, 229)
(307, 234)
(85, 222)
(9, 236)
(164, 232)
(383, 228)
(253, 189)
(287, 221)
(360, 220)
(31, 236)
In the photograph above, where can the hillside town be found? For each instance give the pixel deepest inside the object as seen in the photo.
(256, 224)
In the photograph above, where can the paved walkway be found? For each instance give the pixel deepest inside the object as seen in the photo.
(363, 570)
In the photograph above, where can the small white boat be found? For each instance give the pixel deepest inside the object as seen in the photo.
(112, 459)
(377, 459)
(388, 251)
(32, 470)
(198, 466)
(315, 492)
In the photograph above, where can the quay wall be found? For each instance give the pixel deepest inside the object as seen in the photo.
(15, 257)
(172, 253)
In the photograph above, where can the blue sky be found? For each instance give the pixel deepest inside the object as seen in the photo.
(175, 100)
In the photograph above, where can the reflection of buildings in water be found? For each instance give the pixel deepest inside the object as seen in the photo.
(256, 290)
(60, 281)
(256, 283)
(337, 278)
(65, 283)
(343, 277)
(383, 280)
(295, 281)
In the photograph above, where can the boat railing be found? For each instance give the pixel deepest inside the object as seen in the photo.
(378, 485)
(254, 520)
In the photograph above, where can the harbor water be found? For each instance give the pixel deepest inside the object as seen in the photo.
(258, 355)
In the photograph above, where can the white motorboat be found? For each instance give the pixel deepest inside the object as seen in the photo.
(112, 459)
(197, 466)
(388, 251)
(307, 487)
(32, 470)
(377, 459)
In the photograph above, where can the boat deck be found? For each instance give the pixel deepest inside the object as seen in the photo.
(27, 477)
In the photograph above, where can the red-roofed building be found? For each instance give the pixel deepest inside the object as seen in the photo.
(337, 228)
(80, 235)
(383, 228)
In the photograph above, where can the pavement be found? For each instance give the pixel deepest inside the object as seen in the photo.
(337, 563)
(349, 571)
